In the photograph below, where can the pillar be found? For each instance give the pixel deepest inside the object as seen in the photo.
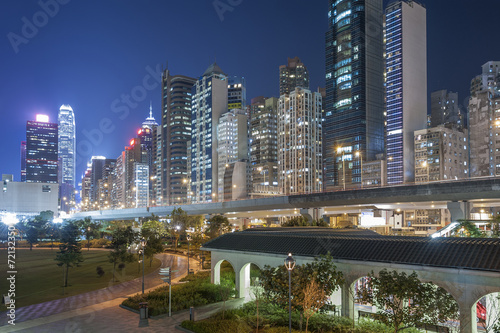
(468, 316)
(215, 274)
(242, 281)
(459, 210)
(347, 308)
(312, 213)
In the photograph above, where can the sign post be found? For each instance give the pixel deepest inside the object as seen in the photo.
(167, 277)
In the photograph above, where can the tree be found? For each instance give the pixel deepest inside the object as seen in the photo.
(89, 229)
(69, 254)
(122, 239)
(226, 290)
(258, 295)
(218, 225)
(314, 299)
(179, 222)
(153, 232)
(403, 301)
(466, 228)
(274, 280)
(37, 227)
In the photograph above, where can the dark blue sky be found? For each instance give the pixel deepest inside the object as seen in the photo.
(90, 53)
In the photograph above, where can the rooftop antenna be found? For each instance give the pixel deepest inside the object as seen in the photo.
(150, 109)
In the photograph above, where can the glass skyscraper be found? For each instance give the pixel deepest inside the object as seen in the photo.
(354, 102)
(41, 151)
(67, 144)
(406, 86)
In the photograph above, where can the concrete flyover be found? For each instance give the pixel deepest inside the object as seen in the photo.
(467, 268)
(475, 190)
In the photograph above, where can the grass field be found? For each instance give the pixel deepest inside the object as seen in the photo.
(39, 279)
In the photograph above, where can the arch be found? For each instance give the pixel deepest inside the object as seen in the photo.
(485, 312)
(244, 281)
(216, 270)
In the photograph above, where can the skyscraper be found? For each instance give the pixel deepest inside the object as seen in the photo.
(299, 142)
(484, 121)
(236, 93)
(293, 74)
(67, 144)
(406, 85)
(354, 110)
(209, 102)
(23, 161)
(176, 135)
(445, 109)
(41, 150)
(264, 145)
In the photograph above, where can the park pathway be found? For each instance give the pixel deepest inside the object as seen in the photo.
(102, 297)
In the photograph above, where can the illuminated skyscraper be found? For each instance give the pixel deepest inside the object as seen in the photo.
(293, 74)
(354, 102)
(209, 102)
(406, 86)
(236, 93)
(23, 161)
(67, 144)
(41, 150)
(176, 134)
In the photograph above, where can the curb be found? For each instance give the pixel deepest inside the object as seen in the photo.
(128, 308)
(183, 329)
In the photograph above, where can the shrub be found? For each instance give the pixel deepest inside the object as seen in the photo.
(98, 243)
(99, 271)
(324, 323)
(216, 326)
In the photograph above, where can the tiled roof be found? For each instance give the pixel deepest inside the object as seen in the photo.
(364, 245)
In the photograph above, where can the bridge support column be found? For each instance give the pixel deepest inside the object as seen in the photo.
(468, 315)
(312, 213)
(459, 210)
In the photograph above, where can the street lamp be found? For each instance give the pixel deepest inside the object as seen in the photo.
(358, 155)
(290, 265)
(188, 237)
(143, 244)
(340, 150)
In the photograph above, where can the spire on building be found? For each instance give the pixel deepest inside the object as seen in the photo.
(150, 121)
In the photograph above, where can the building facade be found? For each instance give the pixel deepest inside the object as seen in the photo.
(67, 144)
(441, 153)
(445, 109)
(236, 93)
(176, 136)
(264, 145)
(41, 151)
(209, 102)
(299, 142)
(354, 103)
(406, 85)
(293, 74)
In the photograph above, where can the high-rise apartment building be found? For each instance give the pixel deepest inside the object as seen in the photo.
(445, 109)
(23, 161)
(406, 85)
(299, 142)
(441, 153)
(293, 74)
(264, 145)
(176, 136)
(41, 151)
(484, 121)
(233, 144)
(209, 102)
(236, 93)
(354, 103)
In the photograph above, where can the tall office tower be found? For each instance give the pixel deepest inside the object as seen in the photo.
(233, 144)
(293, 74)
(176, 135)
(299, 142)
(96, 167)
(236, 93)
(23, 161)
(484, 121)
(406, 85)
(105, 184)
(441, 153)
(446, 110)
(148, 144)
(67, 143)
(209, 102)
(41, 151)
(354, 103)
(118, 196)
(489, 79)
(264, 145)
(86, 203)
(156, 192)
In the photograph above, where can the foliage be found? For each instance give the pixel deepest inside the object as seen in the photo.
(301, 221)
(69, 254)
(37, 227)
(100, 243)
(217, 225)
(216, 326)
(122, 239)
(403, 301)
(226, 290)
(314, 299)
(322, 269)
(153, 232)
(466, 228)
(195, 293)
(89, 229)
(99, 271)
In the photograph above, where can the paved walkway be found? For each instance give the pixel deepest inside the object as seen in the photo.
(92, 302)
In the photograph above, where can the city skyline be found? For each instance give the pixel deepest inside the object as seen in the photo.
(67, 61)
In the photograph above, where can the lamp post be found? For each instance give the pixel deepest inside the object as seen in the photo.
(358, 155)
(290, 265)
(340, 150)
(188, 239)
(143, 244)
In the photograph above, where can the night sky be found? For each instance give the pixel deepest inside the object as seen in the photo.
(90, 53)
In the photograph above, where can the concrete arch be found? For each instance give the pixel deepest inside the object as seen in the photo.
(491, 303)
(216, 270)
(243, 278)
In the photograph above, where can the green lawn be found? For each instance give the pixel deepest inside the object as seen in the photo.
(39, 279)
